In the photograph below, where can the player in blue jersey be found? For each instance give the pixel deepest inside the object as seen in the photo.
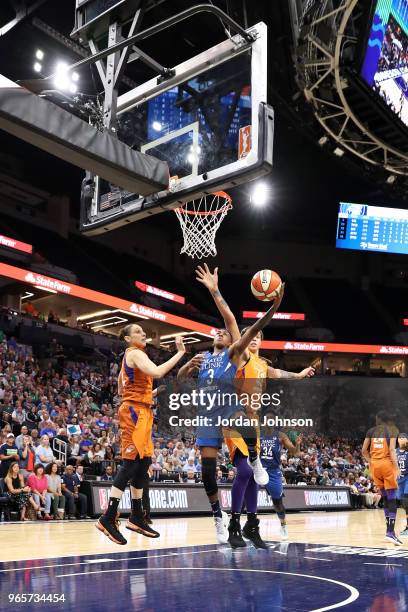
(402, 495)
(216, 374)
(272, 443)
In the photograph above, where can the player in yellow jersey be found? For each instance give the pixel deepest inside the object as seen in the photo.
(251, 379)
(135, 386)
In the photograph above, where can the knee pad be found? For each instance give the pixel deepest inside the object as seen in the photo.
(125, 473)
(278, 505)
(208, 474)
(140, 477)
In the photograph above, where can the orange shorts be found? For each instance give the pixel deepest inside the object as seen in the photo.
(384, 474)
(136, 422)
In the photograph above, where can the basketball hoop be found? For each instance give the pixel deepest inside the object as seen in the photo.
(200, 220)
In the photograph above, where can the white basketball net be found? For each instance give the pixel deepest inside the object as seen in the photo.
(200, 220)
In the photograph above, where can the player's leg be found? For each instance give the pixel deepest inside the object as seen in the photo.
(251, 527)
(108, 523)
(391, 495)
(209, 452)
(390, 489)
(403, 489)
(136, 521)
(274, 489)
(146, 500)
(242, 477)
(250, 437)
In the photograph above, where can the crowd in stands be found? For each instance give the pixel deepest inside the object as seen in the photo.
(58, 424)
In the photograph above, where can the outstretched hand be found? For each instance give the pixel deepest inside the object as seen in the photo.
(208, 279)
(195, 362)
(307, 373)
(180, 344)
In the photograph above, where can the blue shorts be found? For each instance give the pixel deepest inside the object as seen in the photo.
(275, 485)
(402, 487)
(212, 434)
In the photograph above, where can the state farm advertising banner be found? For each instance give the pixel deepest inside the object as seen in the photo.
(177, 498)
(16, 245)
(173, 297)
(332, 347)
(33, 278)
(405, 322)
(279, 316)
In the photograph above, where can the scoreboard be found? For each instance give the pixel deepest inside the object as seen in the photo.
(372, 228)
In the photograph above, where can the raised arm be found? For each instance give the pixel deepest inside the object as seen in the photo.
(210, 280)
(139, 359)
(238, 348)
(275, 373)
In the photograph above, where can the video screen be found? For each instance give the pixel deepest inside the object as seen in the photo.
(385, 66)
(372, 228)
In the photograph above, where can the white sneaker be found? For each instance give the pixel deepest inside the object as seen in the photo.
(391, 537)
(261, 476)
(221, 527)
(284, 532)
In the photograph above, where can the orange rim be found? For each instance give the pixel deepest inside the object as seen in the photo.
(219, 194)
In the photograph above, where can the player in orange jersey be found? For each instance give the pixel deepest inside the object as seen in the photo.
(251, 377)
(379, 450)
(135, 385)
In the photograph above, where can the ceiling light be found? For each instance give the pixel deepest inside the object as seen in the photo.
(27, 295)
(91, 315)
(259, 196)
(45, 289)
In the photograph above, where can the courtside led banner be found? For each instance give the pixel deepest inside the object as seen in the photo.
(191, 498)
(279, 316)
(173, 297)
(16, 245)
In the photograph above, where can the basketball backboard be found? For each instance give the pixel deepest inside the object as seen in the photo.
(209, 121)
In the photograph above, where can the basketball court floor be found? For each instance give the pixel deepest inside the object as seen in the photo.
(331, 560)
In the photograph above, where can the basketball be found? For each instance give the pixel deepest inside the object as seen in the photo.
(265, 285)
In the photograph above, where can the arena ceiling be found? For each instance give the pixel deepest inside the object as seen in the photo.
(307, 182)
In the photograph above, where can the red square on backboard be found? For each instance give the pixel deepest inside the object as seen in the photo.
(244, 141)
